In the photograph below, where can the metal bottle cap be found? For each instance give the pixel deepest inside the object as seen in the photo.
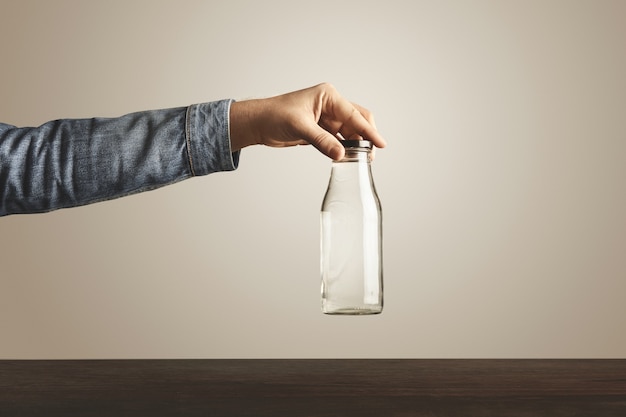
(353, 143)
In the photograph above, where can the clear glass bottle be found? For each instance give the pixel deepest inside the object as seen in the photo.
(351, 236)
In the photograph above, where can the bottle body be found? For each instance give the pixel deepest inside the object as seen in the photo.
(351, 237)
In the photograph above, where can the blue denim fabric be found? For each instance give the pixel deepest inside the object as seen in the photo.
(72, 162)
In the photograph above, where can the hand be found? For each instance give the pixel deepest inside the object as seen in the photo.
(317, 115)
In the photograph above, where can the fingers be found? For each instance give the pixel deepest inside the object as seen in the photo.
(349, 119)
(358, 124)
(366, 114)
(325, 142)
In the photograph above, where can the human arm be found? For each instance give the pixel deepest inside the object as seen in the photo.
(72, 162)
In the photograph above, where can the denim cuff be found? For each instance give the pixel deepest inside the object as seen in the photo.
(207, 133)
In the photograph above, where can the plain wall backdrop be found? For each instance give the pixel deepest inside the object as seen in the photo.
(503, 186)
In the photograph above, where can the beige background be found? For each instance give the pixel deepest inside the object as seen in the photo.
(503, 188)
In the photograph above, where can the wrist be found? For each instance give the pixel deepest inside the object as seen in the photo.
(242, 124)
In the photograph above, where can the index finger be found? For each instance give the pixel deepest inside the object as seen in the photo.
(352, 119)
(369, 117)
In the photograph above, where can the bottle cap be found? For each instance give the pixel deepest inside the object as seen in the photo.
(352, 143)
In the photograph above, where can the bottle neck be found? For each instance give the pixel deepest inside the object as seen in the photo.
(353, 168)
(362, 155)
(351, 178)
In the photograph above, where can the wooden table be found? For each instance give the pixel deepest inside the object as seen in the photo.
(313, 387)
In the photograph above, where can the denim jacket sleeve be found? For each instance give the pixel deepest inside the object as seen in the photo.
(72, 162)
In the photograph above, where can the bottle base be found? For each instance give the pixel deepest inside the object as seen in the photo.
(352, 311)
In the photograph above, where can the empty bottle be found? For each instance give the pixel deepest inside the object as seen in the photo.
(351, 236)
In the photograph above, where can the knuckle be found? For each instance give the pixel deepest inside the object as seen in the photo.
(326, 86)
(366, 113)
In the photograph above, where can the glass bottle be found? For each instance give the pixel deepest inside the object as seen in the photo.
(351, 236)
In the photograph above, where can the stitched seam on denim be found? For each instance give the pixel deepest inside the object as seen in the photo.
(188, 139)
(230, 148)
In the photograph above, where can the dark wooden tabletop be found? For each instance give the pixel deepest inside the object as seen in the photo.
(313, 387)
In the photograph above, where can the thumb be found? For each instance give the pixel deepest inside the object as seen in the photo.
(326, 143)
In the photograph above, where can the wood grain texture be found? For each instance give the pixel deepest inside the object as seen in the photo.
(313, 387)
